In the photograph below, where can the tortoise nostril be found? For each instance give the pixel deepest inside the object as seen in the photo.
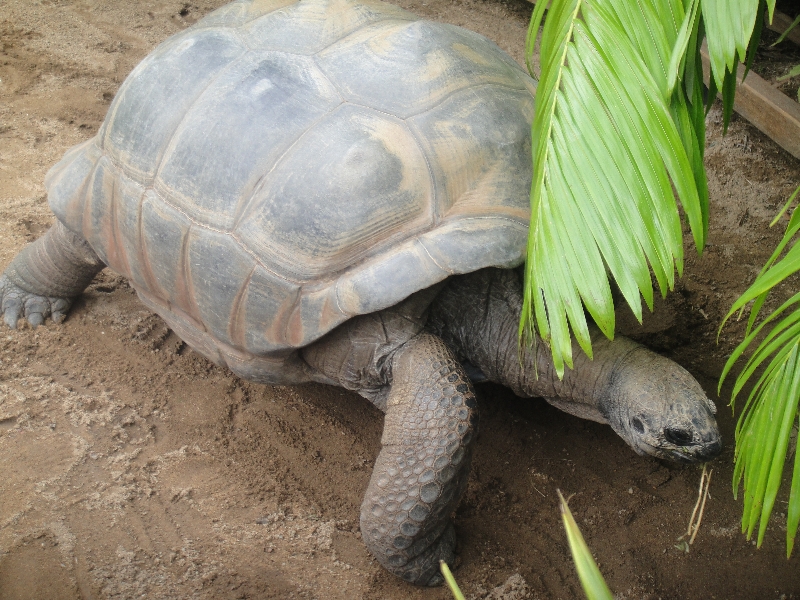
(711, 450)
(679, 437)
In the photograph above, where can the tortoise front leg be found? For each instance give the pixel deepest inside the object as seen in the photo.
(422, 469)
(46, 276)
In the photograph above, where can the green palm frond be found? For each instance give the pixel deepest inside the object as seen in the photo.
(610, 141)
(733, 28)
(729, 25)
(618, 141)
(618, 137)
(771, 410)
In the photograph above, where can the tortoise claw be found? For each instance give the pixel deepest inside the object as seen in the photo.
(35, 319)
(17, 304)
(10, 302)
(11, 317)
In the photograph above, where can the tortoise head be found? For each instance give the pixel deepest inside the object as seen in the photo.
(657, 407)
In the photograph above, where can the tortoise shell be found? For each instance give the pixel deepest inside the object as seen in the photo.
(281, 167)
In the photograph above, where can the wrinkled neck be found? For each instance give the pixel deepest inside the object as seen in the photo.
(478, 315)
(589, 381)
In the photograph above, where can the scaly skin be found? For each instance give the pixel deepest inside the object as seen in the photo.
(431, 420)
(46, 276)
(423, 467)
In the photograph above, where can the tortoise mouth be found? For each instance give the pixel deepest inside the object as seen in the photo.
(707, 451)
(697, 453)
(681, 457)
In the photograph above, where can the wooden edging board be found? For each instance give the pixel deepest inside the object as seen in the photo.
(767, 108)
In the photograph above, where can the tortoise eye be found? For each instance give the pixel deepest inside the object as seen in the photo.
(679, 437)
(637, 425)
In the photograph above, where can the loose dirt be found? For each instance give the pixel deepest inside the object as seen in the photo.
(130, 467)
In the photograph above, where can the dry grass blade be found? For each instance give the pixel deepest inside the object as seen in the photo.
(697, 513)
(694, 527)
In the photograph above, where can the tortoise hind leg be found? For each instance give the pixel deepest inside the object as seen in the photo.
(46, 276)
(423, 467)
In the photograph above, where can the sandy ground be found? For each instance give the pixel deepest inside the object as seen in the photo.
(132, 468)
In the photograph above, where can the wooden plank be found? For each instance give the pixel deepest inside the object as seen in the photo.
(769, 109)
(780, 23)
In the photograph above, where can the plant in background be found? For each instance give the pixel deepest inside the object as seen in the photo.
(794, 71)
(766, 421)
(618, 140)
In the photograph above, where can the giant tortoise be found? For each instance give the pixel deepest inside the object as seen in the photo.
(337, 191)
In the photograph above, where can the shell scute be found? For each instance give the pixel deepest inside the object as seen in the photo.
(99, 222)
(267, 306)
(205, 174)
(155, 98)
(383, 283)
(370, 184)
(114, 202)
(408, 67)
(317, 310)
(309, 27)
(219, 271)
(125, 214)
(164, 234)
(480, 150)
(67, 182)
(460, 244)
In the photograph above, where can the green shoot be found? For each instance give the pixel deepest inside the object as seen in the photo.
(594, 586)
(451, 581)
